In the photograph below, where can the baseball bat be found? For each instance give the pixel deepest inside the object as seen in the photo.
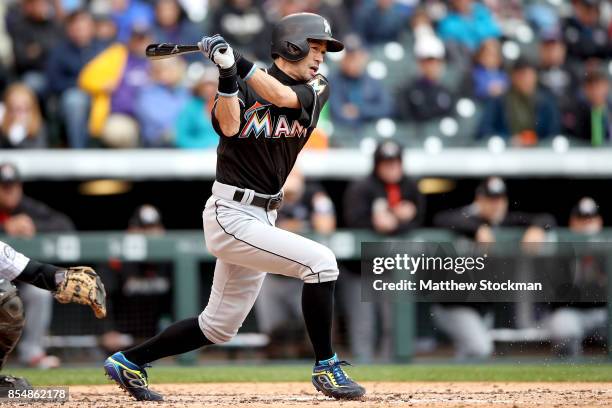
(167, 50)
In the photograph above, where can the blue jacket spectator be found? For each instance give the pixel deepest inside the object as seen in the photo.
(356, 97)
(173, 26)
(381, 21)
(524, 113)
(159, 103)
(194, 129)
(243, 24)
(71, 54)
(468, 24)
(487, 78)
(65, 63)
(127, 13)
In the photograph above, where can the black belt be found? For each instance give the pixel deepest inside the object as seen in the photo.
(271, 203)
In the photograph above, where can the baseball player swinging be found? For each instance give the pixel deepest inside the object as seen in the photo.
(72, 285)
(264, 119)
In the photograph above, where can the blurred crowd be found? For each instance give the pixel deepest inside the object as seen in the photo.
(73, 72)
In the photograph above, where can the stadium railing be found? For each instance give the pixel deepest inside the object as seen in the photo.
(561, 160)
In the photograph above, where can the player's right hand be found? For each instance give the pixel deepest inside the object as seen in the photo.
(218, 51)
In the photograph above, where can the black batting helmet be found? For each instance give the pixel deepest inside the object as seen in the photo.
(291, 34)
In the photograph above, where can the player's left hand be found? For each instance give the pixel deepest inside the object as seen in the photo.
(82, 285)
(219, 51)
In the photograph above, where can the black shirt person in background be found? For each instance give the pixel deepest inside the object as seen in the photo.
(387, 201)
(489, 210)
(585, 36)
(22, 216)
(593, 111)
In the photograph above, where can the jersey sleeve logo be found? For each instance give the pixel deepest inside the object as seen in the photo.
(318, 84)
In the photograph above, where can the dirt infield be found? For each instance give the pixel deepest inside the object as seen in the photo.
(431, 394)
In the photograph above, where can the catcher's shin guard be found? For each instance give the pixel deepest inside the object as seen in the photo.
(12, 319)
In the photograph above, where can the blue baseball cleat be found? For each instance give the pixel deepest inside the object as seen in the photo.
(130, 377)
(329, 378)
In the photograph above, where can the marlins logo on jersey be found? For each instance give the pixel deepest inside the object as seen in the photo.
(260, 122)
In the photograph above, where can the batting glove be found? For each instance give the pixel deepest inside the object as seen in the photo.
(219, 51)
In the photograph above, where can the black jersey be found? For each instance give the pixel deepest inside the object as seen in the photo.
(263, 152)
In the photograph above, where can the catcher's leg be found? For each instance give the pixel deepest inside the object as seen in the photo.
(38, 305)
(12, 320)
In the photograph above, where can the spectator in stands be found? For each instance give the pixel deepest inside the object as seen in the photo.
(22, 125)
(357, 98)
(506, 12)
(335, 12)
(468, 24)
(128, 13)
(593, 111)
(173, 26)
(65, 62)
(159, 103)
(114, 79)
(570, 323)
(306, 208)
(381, 21)
(24, 217)
(34, 32)
(584, 35)
(194, 129)
(487, 78)
(426, 98)
(468, 324)
(243, 24)
(106, 30)
(388, 203)
(555, 74)
(524, 114)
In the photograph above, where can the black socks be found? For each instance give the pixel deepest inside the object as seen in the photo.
(318, 310)
(178, 338)
(184, 336)
(39, 274)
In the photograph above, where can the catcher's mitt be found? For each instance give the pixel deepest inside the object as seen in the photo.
(82, 285)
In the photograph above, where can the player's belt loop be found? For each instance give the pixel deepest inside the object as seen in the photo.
(247, 197)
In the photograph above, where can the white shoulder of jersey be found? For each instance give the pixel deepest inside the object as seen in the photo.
(12, 263)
